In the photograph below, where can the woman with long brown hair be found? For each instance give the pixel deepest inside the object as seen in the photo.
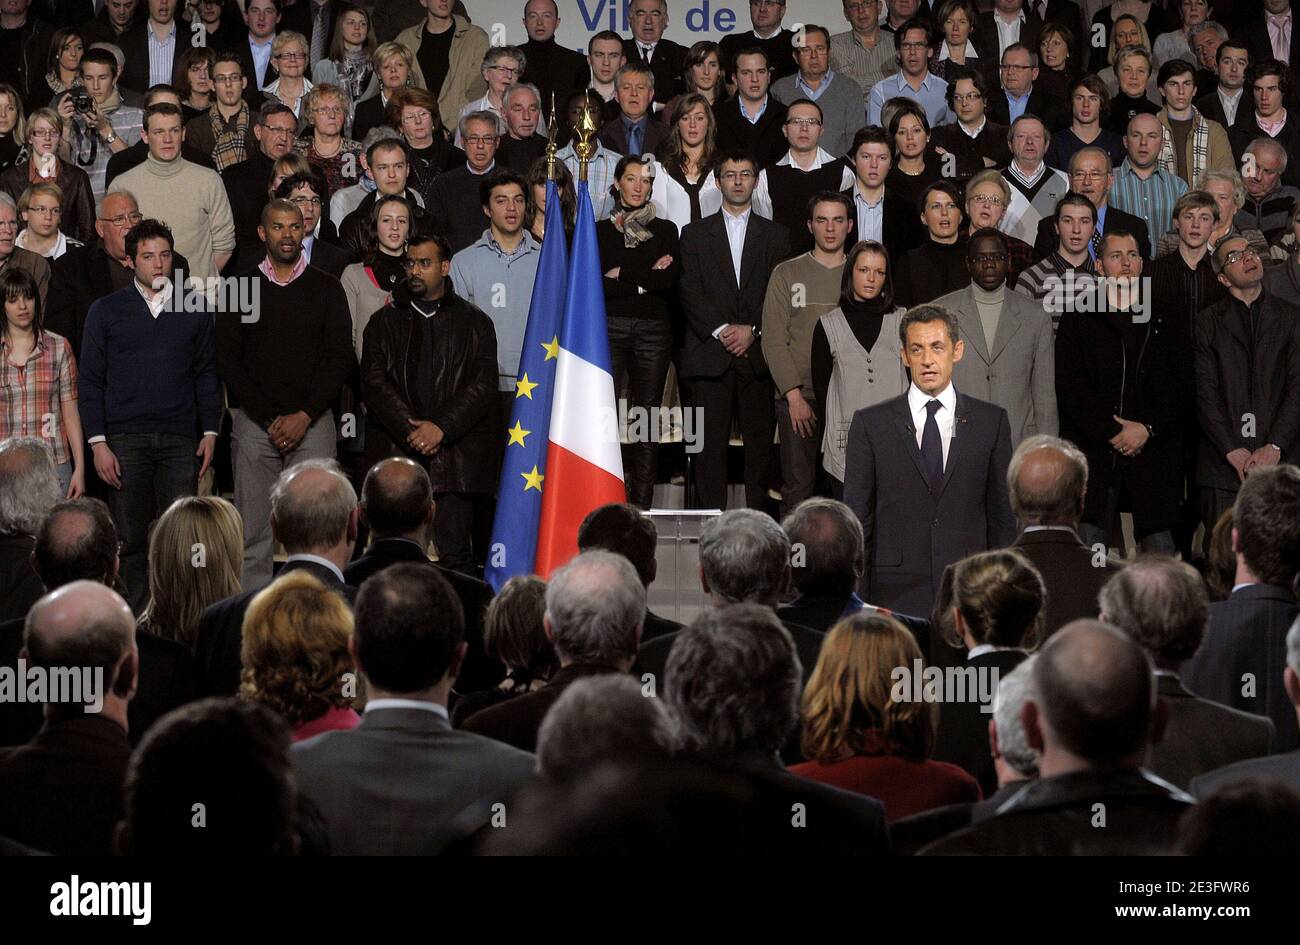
(687, 190)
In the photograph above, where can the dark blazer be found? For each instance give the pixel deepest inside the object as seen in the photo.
(1041, 105)
(221, 631)
(911, 533)
(478, 671)
(246, 188)
(252, 94)
(1246, 130)
(1055, 817)
(984, 36)
(1284, 768)
(1202, 735)
(652, 657)
(911, 834)
(134, 44)
(1211, 107)
(1047, 241)
(668, 64)
(516, 721)
(1247, 636)
(399, 782)
(1069, 572)
(823, 611)
(763, 139)
(656, 626)
(369, 114)
(710, 295)
(614, 136)
(47, 807)
(963, 734)
(1254, 34)
(20, 585)
(900, 225)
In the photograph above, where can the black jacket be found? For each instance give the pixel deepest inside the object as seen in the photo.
(667, 64)
(516, 721)
(963, 734)
(763, 139)
(26, 72)
(247, 184)
(1201, 735)
(710, 295)
(652, 657)
(614, 136)
(20, 585)
(1070, 573)
(1047, 242)
(821, 612)
(1235, 378)
(325, 256)
(900, 226)
(914, 833)
(970, 152)
(464, 396)
(640, 291)
(1096, 378)
(78, 219)
(354, 227)
(1041, 105)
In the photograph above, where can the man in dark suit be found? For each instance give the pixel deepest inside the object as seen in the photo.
(138, 46)
(88, 626)
(926, 472)
(635, 130)
(722, 361)
(752, 120)
(1264, 113)
(896, 224)
(647, 46)
(1229, 96)
(1161, 603)
(595, 606)
(991, 43)
(767, 35)
(314, 516)
(397, 507)
(1092, 174)
(399, 783)
(555, 70)
(624, 529)
(729, 721)
(1048, 477)
(107, 26)
(1257, 35)
(29, 488)
(1090, 717)
(307, 192)
(247, 182)
(1243, 659)
(78, 542)
(1018, 75)
(261, 17)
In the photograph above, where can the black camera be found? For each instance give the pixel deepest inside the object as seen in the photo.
(82, 101)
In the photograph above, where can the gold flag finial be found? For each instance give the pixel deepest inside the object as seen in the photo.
(586, 145)
(551, 134)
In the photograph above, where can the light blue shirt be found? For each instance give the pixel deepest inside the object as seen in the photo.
(931, 96)
(261, 60)
(1016, 106)
(810, 93)
(871, 217)
(761, 109)
(600, 175)
(161, 55)
(501, 284)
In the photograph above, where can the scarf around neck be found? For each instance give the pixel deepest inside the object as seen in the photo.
(633, 224)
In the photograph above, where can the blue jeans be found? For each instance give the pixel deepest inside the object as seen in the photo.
(157, 469)
(65, 476)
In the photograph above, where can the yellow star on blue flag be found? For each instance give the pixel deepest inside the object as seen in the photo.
(533, 480)
(552, 348)
(517, 434)
(524, 387)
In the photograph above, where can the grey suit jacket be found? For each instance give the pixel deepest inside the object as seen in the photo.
(404, 783)
(1019, 372)
(1284, 768)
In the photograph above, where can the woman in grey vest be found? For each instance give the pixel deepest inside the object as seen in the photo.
(856, 353)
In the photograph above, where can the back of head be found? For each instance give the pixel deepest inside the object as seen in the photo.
(1001, 598)
(625, 530)
(1095, 688)
(848, 704)
(1267, 519)
(221, 763)
(77, 542)
(84, 626)
(1161, 603)
(1244, 819)
(745, 557)
(1046, 478)
(827, 549)
(196, 557)
(396, 497)
(29, 484)
(311, 503)
(1008, 701)
(733, 679)
(514, 629)
(409, 625)
(595, 606)
(600, 719)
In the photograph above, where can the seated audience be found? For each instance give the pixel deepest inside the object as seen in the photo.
(602, 719)
(29, 488)
(626, 530)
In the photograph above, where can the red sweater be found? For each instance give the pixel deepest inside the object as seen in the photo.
(905, 786)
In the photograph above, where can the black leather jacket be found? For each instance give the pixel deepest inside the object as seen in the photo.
(464, 392)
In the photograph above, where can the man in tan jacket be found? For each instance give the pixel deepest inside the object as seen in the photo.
(1193, 144)
(448, 52)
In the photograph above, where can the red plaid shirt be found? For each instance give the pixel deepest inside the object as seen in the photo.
(32, 396)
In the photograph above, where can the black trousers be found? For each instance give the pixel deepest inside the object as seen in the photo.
(642, 347)
(719, 398)
(453, 530)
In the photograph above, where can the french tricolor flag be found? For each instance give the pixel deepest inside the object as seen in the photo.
(584, 464)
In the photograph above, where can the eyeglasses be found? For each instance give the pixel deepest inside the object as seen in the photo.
(329, 110)
(1087, 175)
(46, 211)
(1238, 255)
(804, 122)
(272, 129)
(46, 133)
(967, 97)
(292, 56)
(228, 79)
(419, 263)
(305, 201)
(124, 219)
(507, 70)
(480, 139)
(987, 200)
(979, 258)
(1012, 67)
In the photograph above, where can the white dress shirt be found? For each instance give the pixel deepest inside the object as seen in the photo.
(1230, 103)
(946, 417)
(1008, 33)
(737, 224)
(374, 705)
(763, 198)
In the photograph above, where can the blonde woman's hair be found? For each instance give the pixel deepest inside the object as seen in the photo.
(1113, 49)
(284, 39)
(196, 554)
(20, 126)
(1001, 598)
(294, 653)
(848, 700)
(387, 51)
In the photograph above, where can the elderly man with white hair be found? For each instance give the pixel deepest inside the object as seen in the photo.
(525, 138)
(595, 606)
(29, 488)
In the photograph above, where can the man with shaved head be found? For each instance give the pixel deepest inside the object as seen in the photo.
(63, 789)
(1047, 479)
(314, 515)
(1091, 717)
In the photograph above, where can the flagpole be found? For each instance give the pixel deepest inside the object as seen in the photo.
(550, 147)
(586, 144)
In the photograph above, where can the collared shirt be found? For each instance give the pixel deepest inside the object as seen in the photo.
(736, 224)
(864, 66)
(932, 96)
(268, 269)
(261, 59)
(647, 50)
(753, 119)
(1029, 180)
(978, 131)
(34, 393)
(763, 197)
(945, 418)
(600, 175)
(377, 705)
(871, 216)
(1244, 584)
(1279, 34)
(162, 54)
(274, 89)
(639, 126)
(1016, 106)
(1230, 104)
(1271, 128)
(989, 648)
(970, 52)
(62, 243)
(1152, 199)
(808, 91)
(501, 284)
(317, 559)
(1051, 528)
(1008, 33)
(156, 302)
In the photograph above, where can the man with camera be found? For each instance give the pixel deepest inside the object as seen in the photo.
(96, 124)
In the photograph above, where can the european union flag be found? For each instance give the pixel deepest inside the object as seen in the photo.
(519, 492)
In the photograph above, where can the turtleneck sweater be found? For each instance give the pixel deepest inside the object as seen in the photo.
(989, 305)
(192, 201)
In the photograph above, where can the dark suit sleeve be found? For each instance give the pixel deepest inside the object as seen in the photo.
(1211, 406)
(1001, 523)
(460, 413)
(699, 316)
(860, 482)
(1286, 425)
(1078, 403)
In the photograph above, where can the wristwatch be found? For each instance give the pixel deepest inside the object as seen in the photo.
(757, 330)
(110, 137)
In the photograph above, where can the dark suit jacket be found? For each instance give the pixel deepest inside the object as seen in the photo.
(911, 533)
(252, 94)
(656, 626)
(246, 186)
(20, 585)
(1255, 36)
(911, 834)
(516, 721)
(821, 612)
(1067, 567)
(479, 670)
(1047, 242)
(1202, 735)
(763, 139)
(652, 657)
(1284, 768)
(668, 64)
(221, 632)
(134, 44)
(1211, 107)
(709, 293)
(1247, 129)
(63, 789)
(1041, 105)
(900, 225)
(1247, 635)
(614, 136)
(398, 783)
(985, 39)
(1055, 817)
(963, 735)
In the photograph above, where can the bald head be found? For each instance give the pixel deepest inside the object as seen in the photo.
(396, 498)
(88, 626)
(1095, 690)
(312, 505)
(76, 542)
(1047, 478)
